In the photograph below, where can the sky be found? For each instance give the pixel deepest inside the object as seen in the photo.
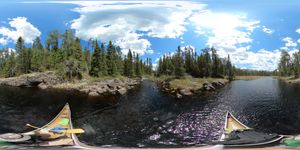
(252, 32)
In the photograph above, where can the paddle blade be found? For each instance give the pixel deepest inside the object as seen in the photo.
(74, 131)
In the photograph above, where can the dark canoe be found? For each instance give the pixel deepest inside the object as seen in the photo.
(233, 127)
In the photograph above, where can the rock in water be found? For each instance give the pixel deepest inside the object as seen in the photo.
(185, 92)
(93, 94)
(122, 91)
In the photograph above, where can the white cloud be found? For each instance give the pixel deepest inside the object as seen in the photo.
(298, 30)
(267, 30)
(128, 23)
(231, 34)
(18, 27)
(289, 42)
(226, 32)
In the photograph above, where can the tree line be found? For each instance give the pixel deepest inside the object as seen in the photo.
(289, 65)
(187, 61)
(64, 54)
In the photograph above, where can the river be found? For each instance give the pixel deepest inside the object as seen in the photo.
(146, 117)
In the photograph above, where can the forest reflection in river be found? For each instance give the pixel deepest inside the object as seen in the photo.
(145, 117)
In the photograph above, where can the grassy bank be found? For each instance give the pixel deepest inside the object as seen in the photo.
(246, 77)
(290, 79)
(193, 83)
(187, 82)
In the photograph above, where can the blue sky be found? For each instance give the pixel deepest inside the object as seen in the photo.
(252, 32)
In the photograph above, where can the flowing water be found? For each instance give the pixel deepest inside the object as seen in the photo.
(146, 117)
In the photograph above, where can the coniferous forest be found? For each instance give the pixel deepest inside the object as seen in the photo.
(64, 54)
(289, 65)
(187, 61)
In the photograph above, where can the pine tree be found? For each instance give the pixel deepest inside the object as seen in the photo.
(68, 45)
(10, 66)
(284, 63)
(86, 57)
(103, 62)
(296, 64)
(179, 66)
(138, 69)
(77, 50)
(111, 60)
(215, 63)
(229, 69)
(22, 57)
(38, 56)
(207, 62)
(128, 65)
(95, 68)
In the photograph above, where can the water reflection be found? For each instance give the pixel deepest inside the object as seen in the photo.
(145, 117)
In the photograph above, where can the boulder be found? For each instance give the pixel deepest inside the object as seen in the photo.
(93, 94)
(85, 90)
(185, 92)
(122, 91)
(42, 86)
(178, 95)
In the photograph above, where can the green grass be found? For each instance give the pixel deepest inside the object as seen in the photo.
(191, 83)
(246, 77)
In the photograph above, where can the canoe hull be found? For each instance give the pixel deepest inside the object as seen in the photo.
(232, 124)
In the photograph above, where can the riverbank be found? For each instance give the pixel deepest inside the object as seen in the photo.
(189, 86)
(289, 79)
(92, 86)
(246, 77)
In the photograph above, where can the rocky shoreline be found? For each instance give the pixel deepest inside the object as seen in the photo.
(48, 80)
(180, 92)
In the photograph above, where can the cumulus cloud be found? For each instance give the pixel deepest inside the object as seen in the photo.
(267, 30)
(289, 42)
(298, 30)
(18, 27)
(231, 34)
(129, 23)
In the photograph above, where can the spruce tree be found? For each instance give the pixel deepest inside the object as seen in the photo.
(22, 56)
(215, 63)
(179, 66)
(103, 62)
(128, 65)
(38, 56)
(229, 69)
(77, 50)
(138, 69)
(111, 60)
(95, 68)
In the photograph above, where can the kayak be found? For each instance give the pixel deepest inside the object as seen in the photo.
(237, 134)
(58, 132)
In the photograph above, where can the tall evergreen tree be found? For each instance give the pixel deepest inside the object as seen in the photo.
(138, 69)
(77, 50)
(22, 57)
(128, 65)
(38, 56)
(229, 69)
(207, 62)
(103, 61)
(179, 66)
(111, 59)
(95, 68)
(215, 62)
(284, 63)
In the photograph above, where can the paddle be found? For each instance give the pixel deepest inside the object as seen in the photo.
(70, 131)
